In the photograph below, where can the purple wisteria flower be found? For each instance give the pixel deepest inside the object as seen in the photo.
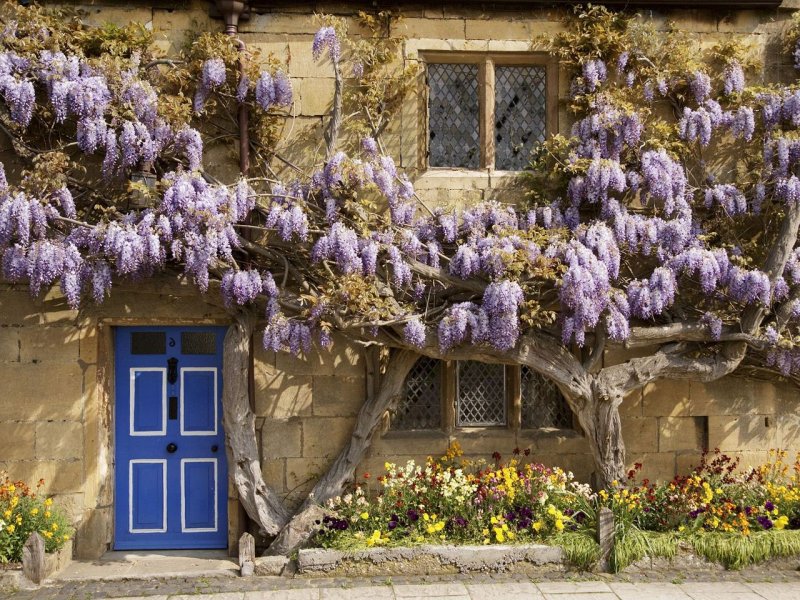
(326, 40)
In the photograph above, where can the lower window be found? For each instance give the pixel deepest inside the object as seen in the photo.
(443, 395)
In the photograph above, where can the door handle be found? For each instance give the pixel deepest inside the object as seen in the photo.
(214, 448)
(171, 447)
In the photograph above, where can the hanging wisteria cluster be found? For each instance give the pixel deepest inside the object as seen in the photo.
(639, 233)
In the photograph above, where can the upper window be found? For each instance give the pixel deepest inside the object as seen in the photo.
(488, 111)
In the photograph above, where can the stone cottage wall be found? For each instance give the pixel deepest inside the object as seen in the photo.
(56, 409)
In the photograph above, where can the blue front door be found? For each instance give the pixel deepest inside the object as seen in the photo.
(171, 474)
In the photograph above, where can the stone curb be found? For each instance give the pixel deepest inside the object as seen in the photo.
(495, 558)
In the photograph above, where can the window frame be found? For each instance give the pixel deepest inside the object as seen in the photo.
(486, 62)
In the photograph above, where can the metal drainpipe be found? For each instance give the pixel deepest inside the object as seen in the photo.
(231, 11)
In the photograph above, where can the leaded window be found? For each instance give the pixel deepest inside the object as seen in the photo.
(481, 398)
(421, 405)
(543, 406)
(488, 111)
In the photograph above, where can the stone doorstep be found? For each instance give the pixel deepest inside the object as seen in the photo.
(465, 558)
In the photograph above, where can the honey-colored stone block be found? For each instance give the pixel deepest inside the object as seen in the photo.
(316, 96)
(631, 405)
(681, 433)
(274, 472)
(656, 466)
(304, 472)
(430, 28)
(282, 438)
(687, 462)
(666, 398)
(788, 431)
(554, 442)
(17, 441)
(742, 432)
(283, 395)
(325, 436)
(733, 396)
(60, 477)
(498, 29)
(393, 443)
(301, 63)
(338, 396)
(9, 343)
(49, 344)
(59, 440)
(640, 434)
(41, 392)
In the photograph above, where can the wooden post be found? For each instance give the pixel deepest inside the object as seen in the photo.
(33, 558)
(247, 555)
(605, 537)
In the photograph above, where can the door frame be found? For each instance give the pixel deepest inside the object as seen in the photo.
(97, 535)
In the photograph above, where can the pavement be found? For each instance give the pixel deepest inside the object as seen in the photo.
(209, 575)
(492, 588)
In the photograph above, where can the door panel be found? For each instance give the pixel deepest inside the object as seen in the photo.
(171, 474)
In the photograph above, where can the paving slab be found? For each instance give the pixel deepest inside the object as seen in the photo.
(504, 591)
(302, 594)
(357, 593)
(776, 591)
(582, 596)
(573, 587)
(430, 589)
(648, 591)
(147, 565)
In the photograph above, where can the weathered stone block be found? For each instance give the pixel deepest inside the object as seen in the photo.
(414, 48)
(681, 433)
(498, 29)
(666, 398)
(94, 533)
(9, 343)
(282, 438)
(396, 443)
(733, 396)
(283, 395)
(316, 96)
(656, 466)
(326, 436)
(274, 472)
(742, 432)
(788, 431)
(429, 28)
(17, 441)
(87, 343)
(302, 64)
(49, 344)
(338, 396)
(38, 392)
(302, 473)
(640, 434)
(554, 442)
(59, 440)
(631, 405)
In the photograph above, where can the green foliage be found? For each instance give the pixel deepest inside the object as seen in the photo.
(23, 512)
(737, 551)
(634, 544)
(580, 548)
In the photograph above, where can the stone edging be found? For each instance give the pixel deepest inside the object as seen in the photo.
(431, 559)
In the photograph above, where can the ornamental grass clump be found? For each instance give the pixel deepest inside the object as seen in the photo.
(22, 512)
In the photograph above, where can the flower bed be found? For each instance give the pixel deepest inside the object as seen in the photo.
(22, 512)
(729, 515)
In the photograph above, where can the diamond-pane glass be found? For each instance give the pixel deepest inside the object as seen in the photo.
(453, 116)
(520, 112)
(421, 406)
(542, 403)
(481, 394)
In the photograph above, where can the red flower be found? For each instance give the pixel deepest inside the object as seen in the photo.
(496, 456)
(366, 475)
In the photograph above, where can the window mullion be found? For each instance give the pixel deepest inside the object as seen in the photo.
(449, 391)
(514, 390)
(486, 74)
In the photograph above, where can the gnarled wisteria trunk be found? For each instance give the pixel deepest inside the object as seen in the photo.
(340, 473)
(260, 502)
(599, 418)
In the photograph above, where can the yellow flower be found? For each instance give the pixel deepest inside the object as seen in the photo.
(485, 532)
(498, 534)
(7, 514)
(12, 488)
(426, 517)
(364, 515)
(781, 522)
(11, 528)
(35, 512)
(537, 526)
(55, 527)
(48, 502)
(47, 514)
(48, 534)
(511, 535)
(559, 525)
